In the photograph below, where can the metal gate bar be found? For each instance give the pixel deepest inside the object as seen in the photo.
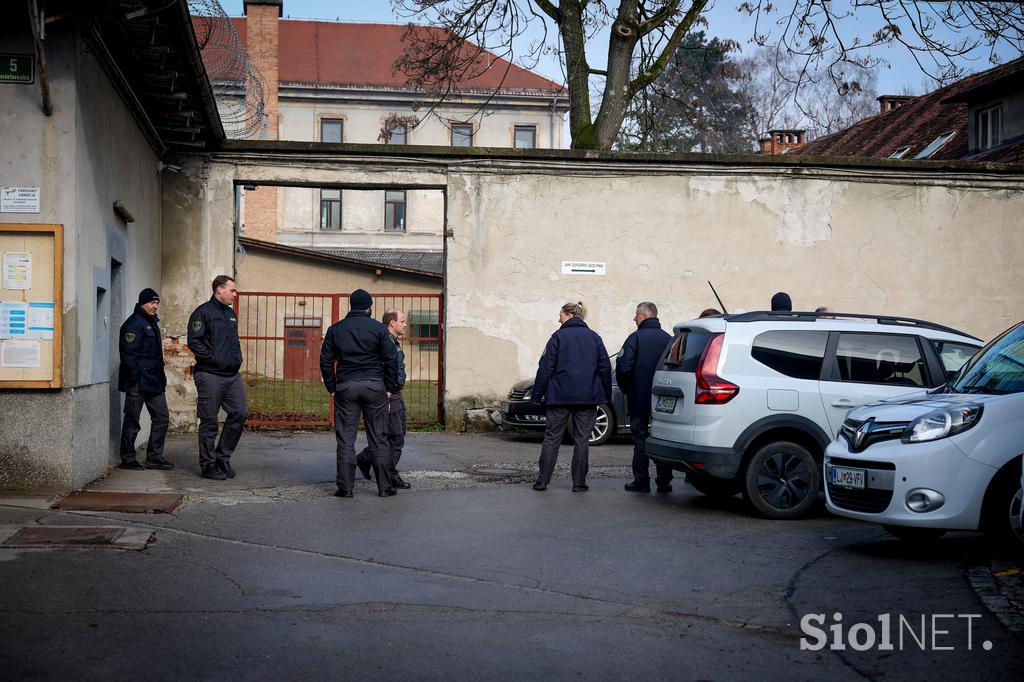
(281, 354)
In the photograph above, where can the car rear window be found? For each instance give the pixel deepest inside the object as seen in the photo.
(796, 354)
(685, 350)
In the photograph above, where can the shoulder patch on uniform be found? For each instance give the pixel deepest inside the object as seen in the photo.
(129, 337)
(197, 325)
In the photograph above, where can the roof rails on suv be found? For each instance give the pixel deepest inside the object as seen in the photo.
(785, 315)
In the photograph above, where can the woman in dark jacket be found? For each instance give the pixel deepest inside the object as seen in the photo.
(574, 376)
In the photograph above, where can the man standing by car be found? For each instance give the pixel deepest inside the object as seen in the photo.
(213, 339)
(394, 321)
(634, 373)
(363, 381)
(141, 378)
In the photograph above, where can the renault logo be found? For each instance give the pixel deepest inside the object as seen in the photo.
(862, 433)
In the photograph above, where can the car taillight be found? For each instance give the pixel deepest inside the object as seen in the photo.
(711, 388)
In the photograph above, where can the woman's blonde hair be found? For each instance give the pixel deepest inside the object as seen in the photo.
(574, 309)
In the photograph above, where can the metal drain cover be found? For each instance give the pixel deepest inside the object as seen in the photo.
(143, 503)
(53, 536)
(497, 472)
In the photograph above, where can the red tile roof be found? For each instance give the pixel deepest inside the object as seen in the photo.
(916, 124)
(365, 54)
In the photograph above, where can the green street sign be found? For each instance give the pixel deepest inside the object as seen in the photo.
(17, 68)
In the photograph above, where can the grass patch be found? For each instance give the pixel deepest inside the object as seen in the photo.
(295, 400)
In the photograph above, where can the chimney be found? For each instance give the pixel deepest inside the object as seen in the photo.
(891, 102)
(782, 141)
(261, 40)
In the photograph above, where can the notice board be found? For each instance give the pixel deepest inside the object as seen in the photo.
(31, 285)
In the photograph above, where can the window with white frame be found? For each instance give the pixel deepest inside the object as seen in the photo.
(398, 134)
(394, 211)
(525, 137)
(462, 134)
(989, 124)
(332, 130)
(330, 209)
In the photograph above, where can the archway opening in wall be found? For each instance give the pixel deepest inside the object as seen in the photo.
(301, 251)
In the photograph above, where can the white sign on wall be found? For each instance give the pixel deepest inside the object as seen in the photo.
(19, 200)
(579, 267)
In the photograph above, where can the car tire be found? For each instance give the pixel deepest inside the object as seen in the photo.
(913, 534)
(714, 487)
(1002, 517)
(604, 427)
(781, 480)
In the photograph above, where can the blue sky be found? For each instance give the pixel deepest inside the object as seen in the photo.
(723, 21)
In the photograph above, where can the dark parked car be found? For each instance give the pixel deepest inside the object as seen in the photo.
(517, 412)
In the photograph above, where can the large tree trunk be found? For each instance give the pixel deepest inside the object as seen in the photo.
(617, 92)
(570, 24)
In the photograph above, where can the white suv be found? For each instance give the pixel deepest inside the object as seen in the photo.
(942, 460)
(747, 403)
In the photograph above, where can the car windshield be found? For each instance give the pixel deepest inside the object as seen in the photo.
(997, 369)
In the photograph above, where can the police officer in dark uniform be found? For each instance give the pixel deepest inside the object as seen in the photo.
(634, 372)
(213, 339)
(363, 381)
(394, 321)
(141, 378)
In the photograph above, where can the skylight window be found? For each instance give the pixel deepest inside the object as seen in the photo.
(899, 153)
(935, 146)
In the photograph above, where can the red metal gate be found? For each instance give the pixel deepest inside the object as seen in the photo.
(281, 335)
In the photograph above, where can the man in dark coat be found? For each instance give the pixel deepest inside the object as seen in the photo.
(573, 378)
(141, 378)
(634, 372)
(781, 302)
(394, 321)
(363, 381)
(213, 339)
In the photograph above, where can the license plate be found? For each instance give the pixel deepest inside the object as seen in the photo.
(849, 478)
(504, 406)
(666, 403)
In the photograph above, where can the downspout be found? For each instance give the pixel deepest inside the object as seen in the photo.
(44, 78)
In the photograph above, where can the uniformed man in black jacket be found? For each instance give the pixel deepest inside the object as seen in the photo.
(394, 321)
(213, 339)
(141, 378)
(362, 382)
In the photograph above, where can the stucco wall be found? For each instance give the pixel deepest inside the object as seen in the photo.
(85, 156)
(941, 248)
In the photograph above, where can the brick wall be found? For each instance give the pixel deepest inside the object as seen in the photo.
(262, 205)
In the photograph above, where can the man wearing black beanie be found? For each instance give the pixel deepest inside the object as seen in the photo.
(141, 378)
(358, 362)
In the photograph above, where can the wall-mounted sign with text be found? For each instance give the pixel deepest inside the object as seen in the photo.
(579, 267)
(17, 68)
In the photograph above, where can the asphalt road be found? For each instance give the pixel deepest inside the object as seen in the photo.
(472, 575)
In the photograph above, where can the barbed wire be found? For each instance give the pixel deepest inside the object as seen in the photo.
(237, 85)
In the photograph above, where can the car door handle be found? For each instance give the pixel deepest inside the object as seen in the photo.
(842, 402)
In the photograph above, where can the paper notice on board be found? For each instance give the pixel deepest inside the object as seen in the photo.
(19, 354)
(17, 270)
(13, 320)
(40, 320)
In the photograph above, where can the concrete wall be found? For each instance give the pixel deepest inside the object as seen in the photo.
(941, 247)
(935, 241)
(85, 156)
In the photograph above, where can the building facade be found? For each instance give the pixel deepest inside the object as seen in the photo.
(336, 83)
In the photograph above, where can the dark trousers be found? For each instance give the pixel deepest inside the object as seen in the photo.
(369, 398)
(156, 404)
(394, 435)
(558, 417)
(641, 429)
(215, 392)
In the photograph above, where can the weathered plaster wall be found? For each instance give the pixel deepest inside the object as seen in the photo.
(85, 156)
(939, 248)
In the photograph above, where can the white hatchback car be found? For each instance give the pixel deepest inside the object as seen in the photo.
(947, 459)
(747, 403)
